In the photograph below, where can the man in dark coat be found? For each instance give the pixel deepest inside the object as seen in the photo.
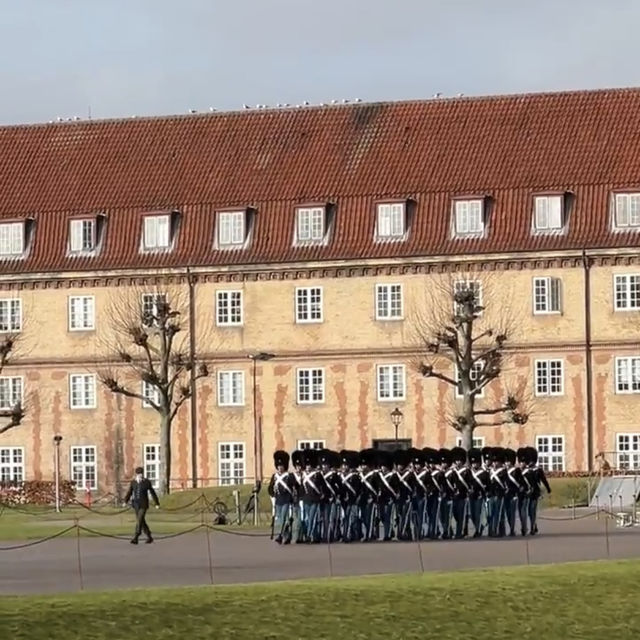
(138, 493)
(282, 490)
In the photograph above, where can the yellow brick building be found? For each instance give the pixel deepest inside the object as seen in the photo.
(321, 236)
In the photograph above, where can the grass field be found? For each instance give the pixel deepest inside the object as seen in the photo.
(563, 602)
(178, 514)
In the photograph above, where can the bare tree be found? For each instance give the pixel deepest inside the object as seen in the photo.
(12, 416)
(154, 363)
(453, 328)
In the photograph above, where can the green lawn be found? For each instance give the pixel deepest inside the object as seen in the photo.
(582, 601)
(185, 509)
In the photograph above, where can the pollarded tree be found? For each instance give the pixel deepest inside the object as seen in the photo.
(155, 364)
(11, 416)
(454, 329)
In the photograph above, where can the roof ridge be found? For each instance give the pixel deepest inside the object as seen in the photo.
(497, 97)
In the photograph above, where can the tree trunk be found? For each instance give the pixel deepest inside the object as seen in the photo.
(466, 434)
(466, 430)
(165, 454)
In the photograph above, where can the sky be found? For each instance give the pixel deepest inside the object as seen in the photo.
(119, 58)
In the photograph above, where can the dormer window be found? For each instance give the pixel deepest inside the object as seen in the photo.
(12, 236)
(391, 220)
(548, 212)
(469, 217)
(310, 224)
(82, 235)
(156, 232)
(627, 210)
(231, 230)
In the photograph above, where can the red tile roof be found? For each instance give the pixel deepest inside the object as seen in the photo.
(507, 147)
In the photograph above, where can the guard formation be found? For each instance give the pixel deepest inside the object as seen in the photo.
(407, 494)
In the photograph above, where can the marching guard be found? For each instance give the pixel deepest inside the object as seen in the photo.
(406, 495)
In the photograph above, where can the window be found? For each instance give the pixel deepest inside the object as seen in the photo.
(391, 382)
(150, 393)
(310, 386)
(476, 371)
(310, 224)
(11, 239)
(311, 444)
(152, 304)
(389, 302)
(627, 210)
(10, 315)
(82, 391)
(11, 464)
(467, 285)
(549, 378)
(231, 228)
(231, 463)
(477, 442)
(309, 304)
(83, 468)
(546, 295)
(10, 392)
(628, 375)
(230, 388)
(627, 292)
(81, 313)
(151, 463)
(391, 220)
(156, 232)
(228, 308)
(550, 452)
(548, 213)
(468, 217)
(628, 450)
(82, 235)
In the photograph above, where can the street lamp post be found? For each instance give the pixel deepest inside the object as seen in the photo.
(257, 430)
(396, 419)
(56, 463)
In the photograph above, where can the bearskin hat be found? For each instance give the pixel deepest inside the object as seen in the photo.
(368, 457)
(416, 456)
(497, 455)
(324, 456)
(532, 455)
(281, 458)
(384, 458)
(444, 456)
(296, 458)
(475, 456)
(458, 454)
(487, 454)
(310, 457)
(521, 454)
(510, 455)
(401, 457)
(430, 455)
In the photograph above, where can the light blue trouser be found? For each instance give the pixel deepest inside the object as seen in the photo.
(281, 527)
(311, 522)
(351, 526)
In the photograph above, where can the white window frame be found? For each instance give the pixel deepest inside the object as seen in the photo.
(626, 210)
(475, 285)
(391, 220)
(309, 302)
(477, 442)
(551, 460)
(10, 315)
(630, 367)
(629, 450)
(477, 366)
(468, 217)
(624, 282)
(316, 445)
(150, 301)
(310, 224)
(82, 235)
(151, 463)
(231, 228)
(230, 388)
(87, 313)
(389, 301)
(12, 240)
(83, 465)
(150, 393)
(547, 382)
(12, 464)
(315, 383)
(229, 308)
(156, 232)
(391, 382)
(85, 378)
(14, 392)
(548, 212)
(547, 295)
(233, 478)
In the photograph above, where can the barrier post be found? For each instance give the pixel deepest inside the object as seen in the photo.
(87, 496)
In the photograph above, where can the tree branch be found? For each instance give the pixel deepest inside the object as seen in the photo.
(427, 371)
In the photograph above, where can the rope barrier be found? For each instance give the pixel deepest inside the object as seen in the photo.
(34, 543)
